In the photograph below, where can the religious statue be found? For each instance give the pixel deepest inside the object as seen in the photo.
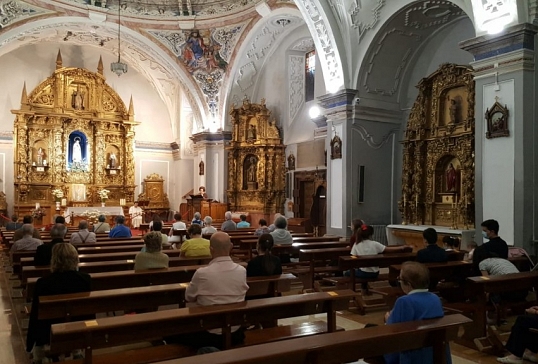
(77, 99)
(77, 152)
(252, 132)
(336, 147)
(112, 160)
(251, 171)
(291, 162)
(40, 155)
(201, 168)
(452, 108)
(451, 178)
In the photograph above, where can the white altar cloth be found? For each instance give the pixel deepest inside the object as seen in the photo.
(81, 211)
(466, 236)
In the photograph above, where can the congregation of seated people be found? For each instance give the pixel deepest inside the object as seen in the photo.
(224, 281)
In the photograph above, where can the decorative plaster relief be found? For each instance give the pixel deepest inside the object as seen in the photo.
(12, 11)
(173, 8)
(369, 139)
(431, 13)
(304, 45)
(328, 53)
(364, 20)
(243, 81)
(296, 87)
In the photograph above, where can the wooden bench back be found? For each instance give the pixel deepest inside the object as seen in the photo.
(344, 346)
(114, 331)
(87, 303)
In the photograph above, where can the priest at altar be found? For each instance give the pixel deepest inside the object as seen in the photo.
(135, 212)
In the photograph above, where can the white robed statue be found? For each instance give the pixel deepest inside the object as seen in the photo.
(135, 212)
(77, 152)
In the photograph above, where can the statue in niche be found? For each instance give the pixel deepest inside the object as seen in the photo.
(201, 168)
(112, 160)
(453, 107)
(77, 152)
(251, 171)
(451, 178)
(291, 162)
(77, 99)
(40, 155)
(252, 132)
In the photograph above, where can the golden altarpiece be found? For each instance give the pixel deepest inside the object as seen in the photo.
(438, 151)
(74, 133)
(256, 161)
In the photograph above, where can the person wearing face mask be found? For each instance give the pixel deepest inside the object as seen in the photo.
(417, 304)
(495, 245)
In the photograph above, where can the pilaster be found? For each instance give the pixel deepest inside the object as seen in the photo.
(504, 167)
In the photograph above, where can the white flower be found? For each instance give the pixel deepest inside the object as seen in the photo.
(103, 194)
(58, 193)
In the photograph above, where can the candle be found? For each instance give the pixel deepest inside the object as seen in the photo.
(64, 202)
(36, 205)
(122, 202)
(416, 200)
(404, 200)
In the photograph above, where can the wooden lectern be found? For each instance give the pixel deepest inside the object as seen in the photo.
(195, 204)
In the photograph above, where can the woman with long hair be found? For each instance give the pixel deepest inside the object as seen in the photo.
(265, 264)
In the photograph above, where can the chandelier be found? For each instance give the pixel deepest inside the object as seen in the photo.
(119, 67)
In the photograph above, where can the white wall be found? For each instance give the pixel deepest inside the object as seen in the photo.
(34, 63)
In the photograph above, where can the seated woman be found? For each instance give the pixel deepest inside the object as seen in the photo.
(101, 226)
(280, 234)
(153, 219)
(521, 344)
(197, 219)
(365, 246)
(262, 229)
(151, 257)
(265, 264)
(243, 223)
(208, 229)
(355, 226)
(196, 246)
(65, 278)
(177, 225)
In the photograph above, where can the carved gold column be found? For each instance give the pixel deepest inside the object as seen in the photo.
(100, 156)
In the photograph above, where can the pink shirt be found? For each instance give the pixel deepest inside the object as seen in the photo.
(221, 282)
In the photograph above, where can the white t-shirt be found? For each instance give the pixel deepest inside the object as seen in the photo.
(178, 225)
(368, 247)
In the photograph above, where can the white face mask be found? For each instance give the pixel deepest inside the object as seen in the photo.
(484, 234)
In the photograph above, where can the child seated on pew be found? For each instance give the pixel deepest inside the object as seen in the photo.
(364, 246)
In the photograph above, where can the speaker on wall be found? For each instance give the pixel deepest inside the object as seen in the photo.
(361, 185)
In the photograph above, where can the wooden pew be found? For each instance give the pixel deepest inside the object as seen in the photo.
(345, 346)
(249, 244)
(115, 331)
(85, 258)
(317, 259)
(111, 266)
(482, 287)
(87, 303)
(131, 278)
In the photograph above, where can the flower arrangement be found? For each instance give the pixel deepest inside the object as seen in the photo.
(38, 213)
(92, 215)
(58, 194)
(103, 194)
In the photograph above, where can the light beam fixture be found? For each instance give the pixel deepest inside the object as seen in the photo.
(119, 67)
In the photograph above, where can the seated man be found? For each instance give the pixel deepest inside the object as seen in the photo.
(27, 242)
(521, 344)
(417, 304)
(83, 235)
(13, 224)
(102, 226)
(280, 234)
(157, 227)
(19, 234)
(43, 253)
(221, 282)
(432, 253)
(228, 225)
(120, 230)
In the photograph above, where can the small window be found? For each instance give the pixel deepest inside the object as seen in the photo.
(310, 70)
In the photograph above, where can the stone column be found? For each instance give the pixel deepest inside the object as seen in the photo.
(506, 187)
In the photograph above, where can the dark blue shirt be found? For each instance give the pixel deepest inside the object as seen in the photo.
(120, 231)
(432, 254)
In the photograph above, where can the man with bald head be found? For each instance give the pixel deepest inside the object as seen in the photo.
(417, 304)
(221, 282)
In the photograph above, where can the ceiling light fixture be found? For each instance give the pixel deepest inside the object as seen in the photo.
(119, 67)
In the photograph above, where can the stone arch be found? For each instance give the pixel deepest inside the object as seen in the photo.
(398, 40)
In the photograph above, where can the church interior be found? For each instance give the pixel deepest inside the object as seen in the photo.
(407, 115)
